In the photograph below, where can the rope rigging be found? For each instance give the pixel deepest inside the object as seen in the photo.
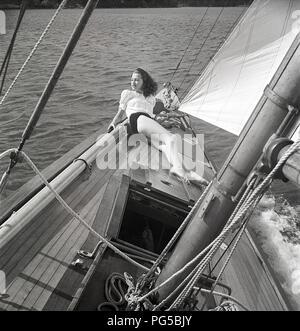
(192, 38)
(61, 6)
(249, 202)
(217, 49)
(69, 209)
(202, 45)
(237, 236)
(200, 49)
(240, 214)
(6, 61)
(135, 296)
(52, 81)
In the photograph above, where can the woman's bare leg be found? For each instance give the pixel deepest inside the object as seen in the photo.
(149, 127)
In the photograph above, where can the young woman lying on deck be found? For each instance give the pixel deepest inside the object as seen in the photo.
(137, 104)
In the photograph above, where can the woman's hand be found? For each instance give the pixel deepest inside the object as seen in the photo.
(111, 127)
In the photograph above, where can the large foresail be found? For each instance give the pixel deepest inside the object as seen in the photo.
(231, 85)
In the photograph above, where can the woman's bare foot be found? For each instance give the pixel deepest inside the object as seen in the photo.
(193, 176)
(188, 176)
(179, 173)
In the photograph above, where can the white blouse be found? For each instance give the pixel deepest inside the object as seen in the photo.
(133, 102)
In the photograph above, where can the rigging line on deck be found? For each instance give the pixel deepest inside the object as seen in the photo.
(192, 38)
(239, 215)
(165, 301)
(176, 235)
(146, 278)
(248, 191)
(72, 212)
(197, 272)
(200, 49)
(237, 236)
(6, 61)
(189, 264)
(251, 202)
(240, 233)
(237, 240)
(225, 296)
(59, 9)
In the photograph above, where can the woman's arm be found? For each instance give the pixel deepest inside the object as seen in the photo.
(125, 96)
(118, 118)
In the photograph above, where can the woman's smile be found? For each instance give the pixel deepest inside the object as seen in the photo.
(136, 82)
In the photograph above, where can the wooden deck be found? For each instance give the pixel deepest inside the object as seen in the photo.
(250, 279)
(38, 261)
(42, 252)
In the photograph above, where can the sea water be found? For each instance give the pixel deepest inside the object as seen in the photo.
(115, 42)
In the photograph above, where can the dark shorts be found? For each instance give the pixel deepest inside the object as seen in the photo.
(133, 121)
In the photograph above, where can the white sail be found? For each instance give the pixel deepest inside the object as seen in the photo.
(229, 88)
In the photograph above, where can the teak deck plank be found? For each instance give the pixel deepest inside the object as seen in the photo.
(103, 215)
(52, 256)
(39, 231)
(248, 279)
(20, 288)
(101, 210)
(76, 198)
(62, 260)
(31, 278)
(63, 294)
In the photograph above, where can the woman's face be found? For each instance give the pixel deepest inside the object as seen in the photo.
(136, 82)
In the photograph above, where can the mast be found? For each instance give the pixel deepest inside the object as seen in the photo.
(88, 10)
(219, 202)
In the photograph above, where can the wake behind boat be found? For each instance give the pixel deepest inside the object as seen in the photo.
(137, 238)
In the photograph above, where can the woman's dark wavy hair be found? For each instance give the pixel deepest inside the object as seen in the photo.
(149, 85)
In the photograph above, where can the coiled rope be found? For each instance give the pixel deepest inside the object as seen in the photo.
(115, 289)
(59, 9)
(71, 211)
